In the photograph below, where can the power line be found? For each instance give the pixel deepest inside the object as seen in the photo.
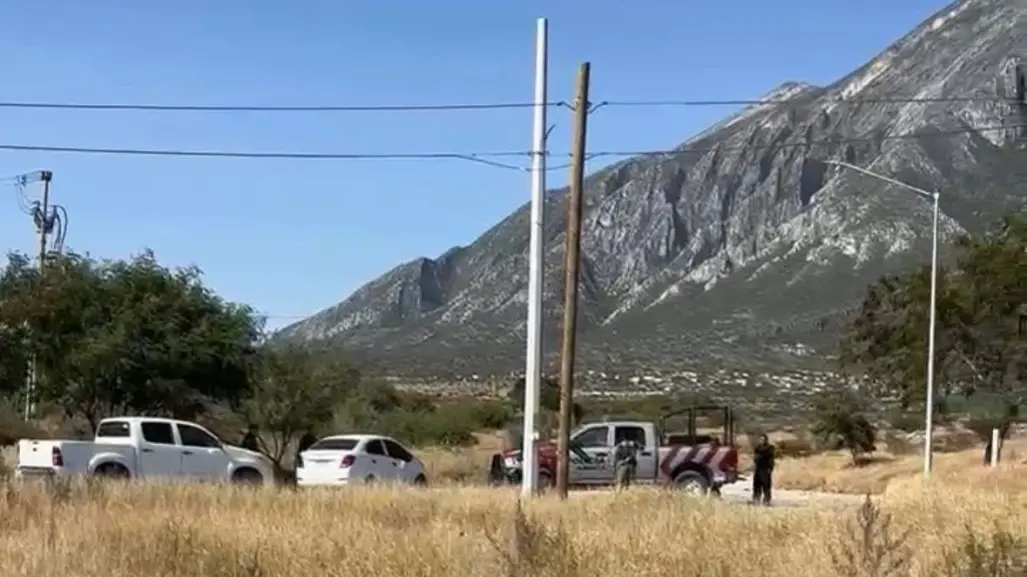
(799, 101)
(255, 108)
(478, 157)
(487, 157)
(926, 134)
(471, 106)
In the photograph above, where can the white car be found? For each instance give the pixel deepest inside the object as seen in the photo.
(353, 459)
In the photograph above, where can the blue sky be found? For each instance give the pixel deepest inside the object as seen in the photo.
(290, 237)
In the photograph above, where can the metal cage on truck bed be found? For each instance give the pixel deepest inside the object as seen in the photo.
(670, 425)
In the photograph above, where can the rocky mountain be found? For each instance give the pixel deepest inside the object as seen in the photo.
(742, 246)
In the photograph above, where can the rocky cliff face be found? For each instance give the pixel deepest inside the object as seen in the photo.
(741, 244)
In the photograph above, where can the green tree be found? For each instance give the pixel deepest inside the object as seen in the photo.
(126, 335)
(295, 390)
(979, 340)
(840, 422)
(549, 397)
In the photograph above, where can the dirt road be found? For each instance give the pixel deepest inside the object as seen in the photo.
(740, 494)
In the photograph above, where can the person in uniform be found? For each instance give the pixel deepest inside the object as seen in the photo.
(625, 461)
(762, 477)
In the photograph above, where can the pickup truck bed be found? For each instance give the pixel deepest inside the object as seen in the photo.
(47, 458)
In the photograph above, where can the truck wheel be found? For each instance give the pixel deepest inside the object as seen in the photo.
(692, 482)
(111, 471)
(247, 476)
(545, 481)
(421, 481)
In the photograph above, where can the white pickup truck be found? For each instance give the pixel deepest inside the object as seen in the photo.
(144, 448)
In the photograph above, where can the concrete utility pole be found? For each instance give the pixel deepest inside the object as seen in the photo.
(575, 202)
(44, 224)
(533, 345)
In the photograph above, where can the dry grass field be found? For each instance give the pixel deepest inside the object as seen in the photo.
(969, 522)
(951, 529)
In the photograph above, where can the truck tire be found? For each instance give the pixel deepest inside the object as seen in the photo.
(545, 480)
(421, 481)
(692, 482)
(111, 471)
(247, 476)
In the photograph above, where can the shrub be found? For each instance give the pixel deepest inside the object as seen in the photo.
(840, 422)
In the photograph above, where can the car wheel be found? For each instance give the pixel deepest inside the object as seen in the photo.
(692, 482)
(421, 481)
(247, 476)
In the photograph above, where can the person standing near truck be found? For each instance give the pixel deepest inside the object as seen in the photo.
(625, 462)
(762, 477)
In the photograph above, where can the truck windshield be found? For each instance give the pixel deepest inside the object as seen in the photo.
(117, 429)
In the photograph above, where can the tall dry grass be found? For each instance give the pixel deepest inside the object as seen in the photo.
(211, 531)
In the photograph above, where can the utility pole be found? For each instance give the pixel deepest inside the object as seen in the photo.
(533, 340)
(44, 224)
(575, 202)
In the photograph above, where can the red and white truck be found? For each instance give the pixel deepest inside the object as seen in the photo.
(690, 461)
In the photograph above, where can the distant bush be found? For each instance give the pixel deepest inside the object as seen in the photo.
(840, 422)
(13, 427)
(794, 448)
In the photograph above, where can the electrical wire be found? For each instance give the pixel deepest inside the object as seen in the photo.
(681, 150)
(799, 101)
(471, 106)
(479, 157)
(486, 157)
(254, 108)
(60, 216)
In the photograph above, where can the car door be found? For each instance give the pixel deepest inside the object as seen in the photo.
(202, 455)
(590, 455)
(405, 466)
(380, 464)
(646, 469)
(159, 454)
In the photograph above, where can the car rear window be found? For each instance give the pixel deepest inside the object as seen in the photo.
(112, 429)
(334, 445)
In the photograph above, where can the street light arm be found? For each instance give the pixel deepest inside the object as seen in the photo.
(887, 179)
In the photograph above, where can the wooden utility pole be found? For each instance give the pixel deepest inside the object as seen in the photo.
(575, 201)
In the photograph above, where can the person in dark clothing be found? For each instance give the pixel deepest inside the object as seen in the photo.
(1003, 431)
(762, 477)
(249, 441)
(497, 473)
(306, 441)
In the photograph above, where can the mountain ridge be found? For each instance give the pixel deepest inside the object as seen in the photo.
(721, 250)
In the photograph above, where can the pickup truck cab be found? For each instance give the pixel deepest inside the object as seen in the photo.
(144, 448)
(689, 461)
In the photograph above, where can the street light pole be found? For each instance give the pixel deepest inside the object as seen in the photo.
(929, 396)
